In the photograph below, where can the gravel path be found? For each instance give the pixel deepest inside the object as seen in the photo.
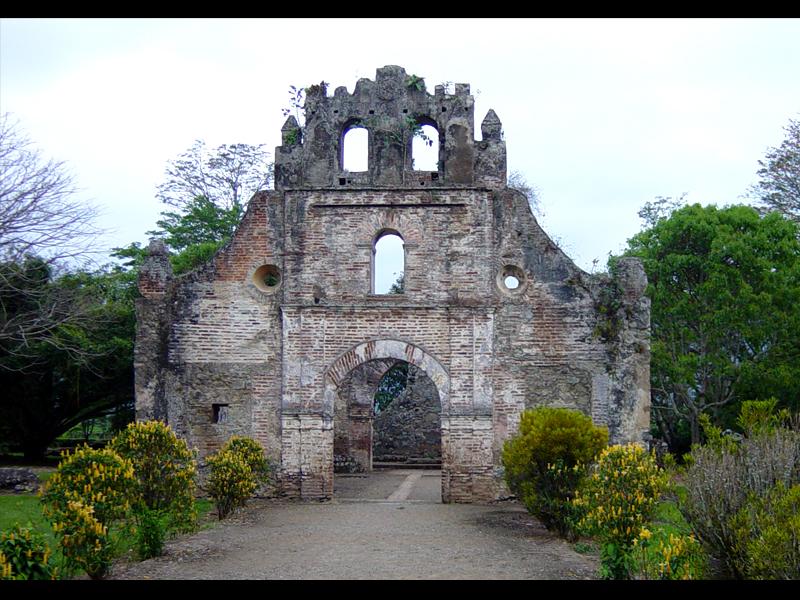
(362, 535)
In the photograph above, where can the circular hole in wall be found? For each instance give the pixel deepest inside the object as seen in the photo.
(511, 279)
(267, 278)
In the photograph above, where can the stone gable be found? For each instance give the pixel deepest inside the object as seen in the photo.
(273, 333)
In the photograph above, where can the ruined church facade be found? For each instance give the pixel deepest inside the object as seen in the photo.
(283, 325)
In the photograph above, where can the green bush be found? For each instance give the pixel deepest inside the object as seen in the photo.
(85, 541)
(90, 490)
(767, 535)
(165, 472)
(98, 478)
(618, 498)
(725, 475)
(230, 482)
(546, 460)
(151, 532)
(669, 556)
(253, 454)
(24, 555)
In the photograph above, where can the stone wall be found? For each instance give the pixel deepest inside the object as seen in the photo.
(226, 350)
(409, 429)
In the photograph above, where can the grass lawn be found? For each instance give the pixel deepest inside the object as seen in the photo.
(26, 510)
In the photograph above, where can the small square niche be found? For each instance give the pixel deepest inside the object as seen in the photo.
(220, 413)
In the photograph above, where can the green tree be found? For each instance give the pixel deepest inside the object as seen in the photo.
(208, 191)
(399, 286)
(725, 291)
(201, 221)
(778, 187)
(392, 384)
(81, 369)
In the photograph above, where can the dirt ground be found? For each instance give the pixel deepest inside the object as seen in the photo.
(390, 525)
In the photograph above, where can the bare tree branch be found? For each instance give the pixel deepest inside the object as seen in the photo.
(228, 176)
(43, 229)
(39, 213)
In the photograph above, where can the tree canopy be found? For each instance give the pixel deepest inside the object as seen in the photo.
(82, 369)
(725, 291)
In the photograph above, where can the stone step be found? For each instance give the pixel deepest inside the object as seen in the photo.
(407, 465)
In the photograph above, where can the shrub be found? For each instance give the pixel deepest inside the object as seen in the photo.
(618, 498)
(88, 492)
(253, 454)
(151, 531)
(84, 540)
(547, 459)
(725, 475)
(669, 556)
(165, 472)
(99, 478)
(767, 535)
(230, 482)
(24, 555)
(6, 572)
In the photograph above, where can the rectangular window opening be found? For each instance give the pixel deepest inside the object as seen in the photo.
(220, 413)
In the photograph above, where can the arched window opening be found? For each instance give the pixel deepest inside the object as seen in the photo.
(355, 150)
(425, 149)
(388, 264)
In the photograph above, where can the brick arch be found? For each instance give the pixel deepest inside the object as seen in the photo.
(386, 348)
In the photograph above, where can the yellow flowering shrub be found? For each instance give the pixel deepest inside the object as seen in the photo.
(90, 490)
(253, 454)
(85, 542)
(668, 556)
(618, 497)
(164, 469)
(24, 554)
(230, 482)
(98, 478)
(6, 572)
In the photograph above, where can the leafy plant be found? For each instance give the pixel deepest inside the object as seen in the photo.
(253, 454)
(164, 469)
(151, 531)
(725, 290)
(24, 554)
(100, 478)
(725, 476)
(415, 82)
(767, 534)
(546, 460)
(90, 490)
(297, 102)
(618, 498)
(85, 541)
(231, 481)
(668, 556)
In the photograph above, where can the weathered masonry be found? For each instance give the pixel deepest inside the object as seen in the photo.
(283, 324)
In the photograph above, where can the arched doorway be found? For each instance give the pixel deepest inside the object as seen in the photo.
(387, 413)
(388, 398)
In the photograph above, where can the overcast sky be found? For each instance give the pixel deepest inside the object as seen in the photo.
(601, 115)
